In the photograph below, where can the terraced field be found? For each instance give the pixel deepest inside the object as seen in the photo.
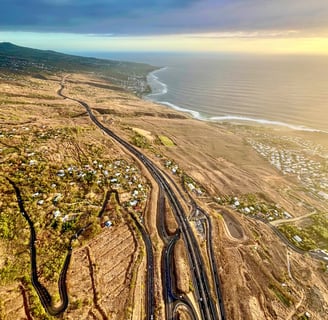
(110, 260)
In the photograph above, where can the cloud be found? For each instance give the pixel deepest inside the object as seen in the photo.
(147, 17)
(79, 15)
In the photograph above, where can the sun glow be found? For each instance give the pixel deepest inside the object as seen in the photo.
(238, 42)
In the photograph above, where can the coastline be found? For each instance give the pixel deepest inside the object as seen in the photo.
(222, 160)
(161, 89)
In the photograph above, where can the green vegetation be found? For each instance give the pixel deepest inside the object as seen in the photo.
(63, 178)
(26, 60)
(7, 226)
(191, 286)
(36, 308)
(166, 141)
(11, 271)
(140, 141)
(76, 304)
(283, 297)
(314, 233)
(254, 205)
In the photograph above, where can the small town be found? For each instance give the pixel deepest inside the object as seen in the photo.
(300, 159)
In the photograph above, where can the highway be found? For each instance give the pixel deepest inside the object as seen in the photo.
(172, 299)
(209, 245)
(150, 305)
(206, 304)
(210, 253)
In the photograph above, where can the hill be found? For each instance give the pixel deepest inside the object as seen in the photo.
(19, 59)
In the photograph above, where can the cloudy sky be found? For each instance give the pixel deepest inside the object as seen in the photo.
(276, 26)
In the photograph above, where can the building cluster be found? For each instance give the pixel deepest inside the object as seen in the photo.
(116, 175)
(171, 165)
(71, 182)
(199, 220)
(16, 64)
(310, 166)
(135, 83)
(247, 205)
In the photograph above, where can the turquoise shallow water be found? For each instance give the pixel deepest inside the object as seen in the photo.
(280, 90)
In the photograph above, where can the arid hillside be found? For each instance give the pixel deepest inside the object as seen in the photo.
(249, 180)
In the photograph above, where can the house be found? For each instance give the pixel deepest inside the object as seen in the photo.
(61, 173)
(287, 215)
(323, 195)
(247, 210)
(33, 162)
(56, 198)
(297, 238)
(175, 169)
(57, 213)
(108, 223)
(191, 186)
(133, 203)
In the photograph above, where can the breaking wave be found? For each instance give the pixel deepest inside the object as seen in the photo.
(192, 93)
(231, 118)
(158, 87)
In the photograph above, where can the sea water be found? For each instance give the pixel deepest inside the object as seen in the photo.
(279, 90)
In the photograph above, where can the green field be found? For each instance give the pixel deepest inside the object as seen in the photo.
(166, 141)
(314, 233)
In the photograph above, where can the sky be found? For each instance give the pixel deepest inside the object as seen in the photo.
(246, 26)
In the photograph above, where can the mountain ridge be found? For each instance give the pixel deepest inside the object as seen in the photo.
(22, 60)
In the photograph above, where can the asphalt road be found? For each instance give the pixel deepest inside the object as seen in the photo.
(150, 305)
(202, 291)
(42, 292)
(213, 264)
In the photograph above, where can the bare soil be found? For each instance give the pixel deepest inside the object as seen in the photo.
(105, 267)
(182, 272)
(251, 259)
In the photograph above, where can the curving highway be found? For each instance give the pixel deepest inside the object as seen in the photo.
(150, 305)
(210, 253)
(207, 306)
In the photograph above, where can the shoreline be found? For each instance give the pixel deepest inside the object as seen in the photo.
(220, 160)
(233, 119)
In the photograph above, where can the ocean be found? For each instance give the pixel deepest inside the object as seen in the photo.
(289, 91)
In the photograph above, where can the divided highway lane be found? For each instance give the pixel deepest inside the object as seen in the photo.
(215, 274)
(171, 298)
(211, 256)
(150, 305)
(206, 304)
(202, 292)
(173, 301)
